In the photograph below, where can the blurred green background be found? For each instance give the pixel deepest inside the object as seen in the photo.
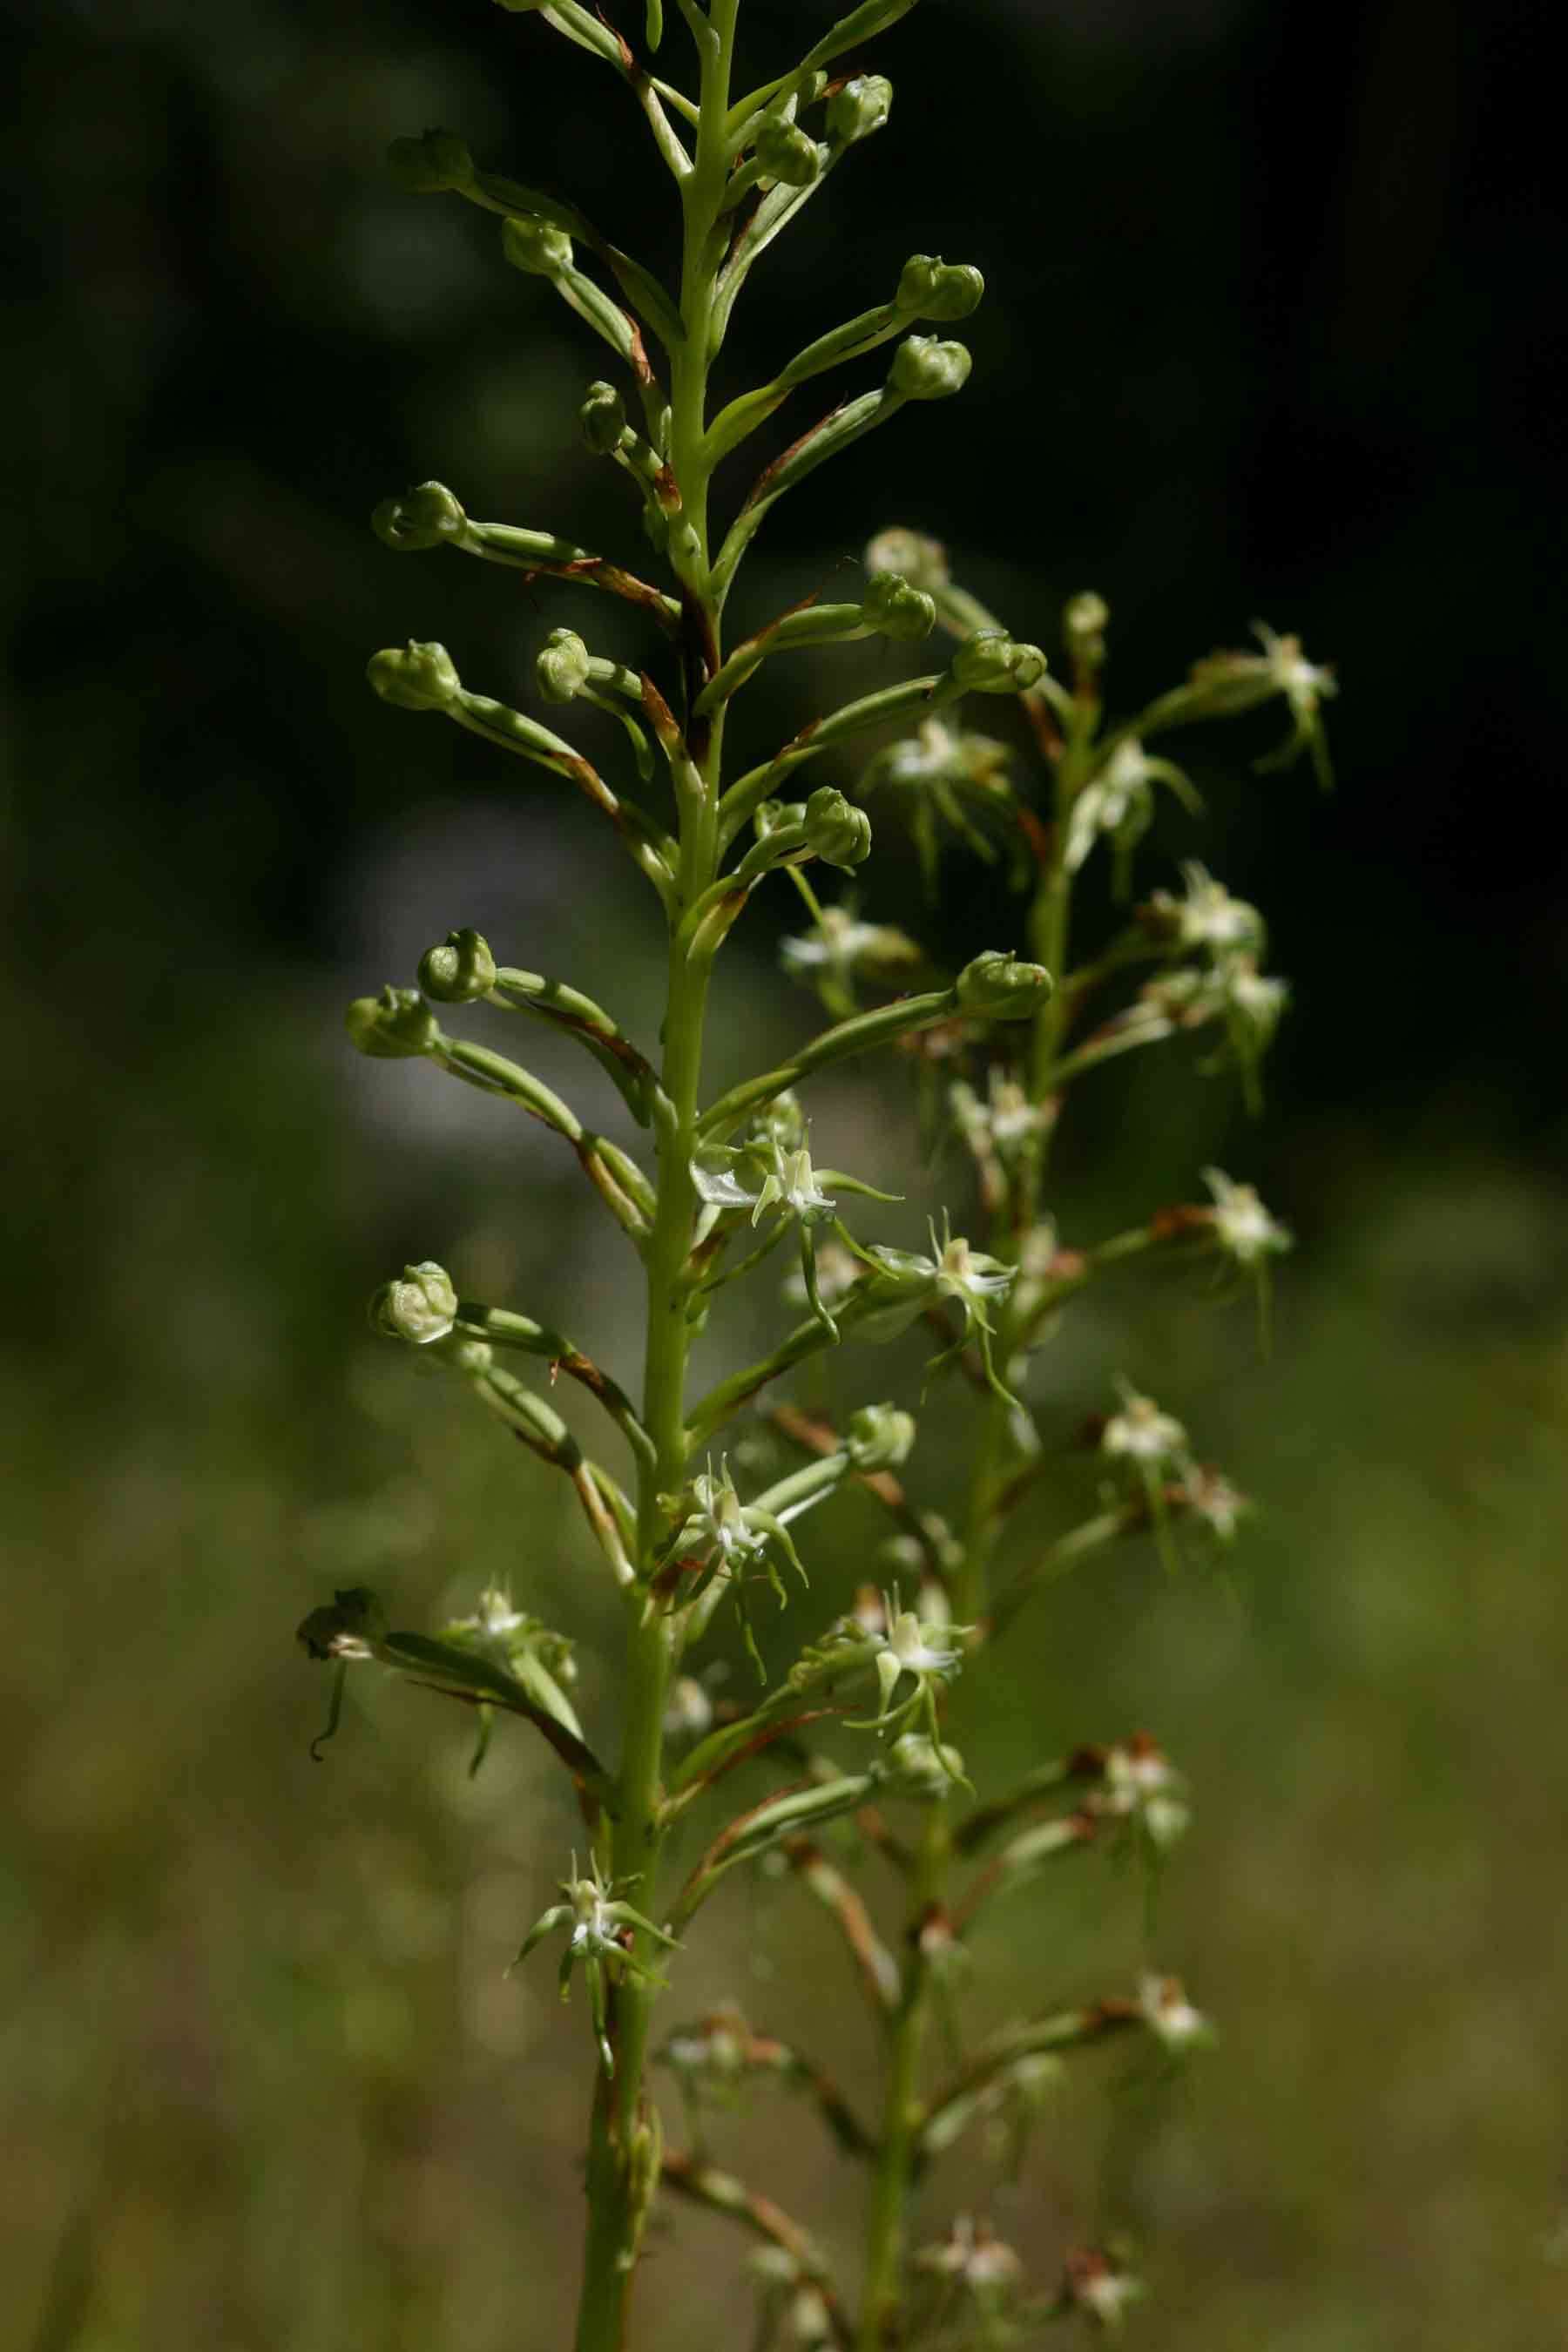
(1263, 335)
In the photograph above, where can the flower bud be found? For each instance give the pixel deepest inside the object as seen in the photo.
(603, 416)
(786, 153)
(420, 518)
(861, 106)
(920, 560)
(896, 609)
(533, 244)
(427, 165)
(991, 662)
(835, 831)
(1002, 987)
(420, 1307)
(415, 676)
(561, 669)
(916, 1768)
(927, 369)
(880, 1437)
(1084, 623)
(930, 287)
(393, 1025)
(461, 969)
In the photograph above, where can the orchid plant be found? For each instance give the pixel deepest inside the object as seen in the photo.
(857, 1732)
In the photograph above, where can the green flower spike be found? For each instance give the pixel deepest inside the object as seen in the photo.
(598, 1920)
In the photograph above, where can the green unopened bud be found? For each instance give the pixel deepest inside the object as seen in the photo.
(535, 245)
(916, 1767)
(835, 830)
(460, 970)
(603, 416)
(861, 106)
(920, 560)
(415, 676)
(927, 369)
(786, 153)
(1002, 987)
(437, 160)
(420, 518)
(1084, 623)
(562, 668)
(930, 287)
(880, 1437)
(897, 609)
(991, 662)
(420, 1307)
(393, 1025)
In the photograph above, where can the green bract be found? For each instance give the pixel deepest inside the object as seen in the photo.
(694, 1503)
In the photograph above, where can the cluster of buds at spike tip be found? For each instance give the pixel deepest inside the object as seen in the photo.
(1117, 804)
(600, 1928)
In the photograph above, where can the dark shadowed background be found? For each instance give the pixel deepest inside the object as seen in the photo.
(1269, 297)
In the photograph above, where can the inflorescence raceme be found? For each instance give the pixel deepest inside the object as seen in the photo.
(980, 748)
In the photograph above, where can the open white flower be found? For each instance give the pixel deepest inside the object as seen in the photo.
(1243, 1226)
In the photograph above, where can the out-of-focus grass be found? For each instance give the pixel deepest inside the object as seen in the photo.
(267, 2083)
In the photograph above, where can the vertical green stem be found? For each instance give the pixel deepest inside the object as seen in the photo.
(618, 2148)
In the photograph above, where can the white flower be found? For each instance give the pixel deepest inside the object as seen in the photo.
(1120, 802)
(1170, 2015)
(688, 1710)
(973, 2253)
(1242, 1225)
(789, 1184)
(1140, 1432)
(1214, 1500)
(1207, 916)
(1101, 2288)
